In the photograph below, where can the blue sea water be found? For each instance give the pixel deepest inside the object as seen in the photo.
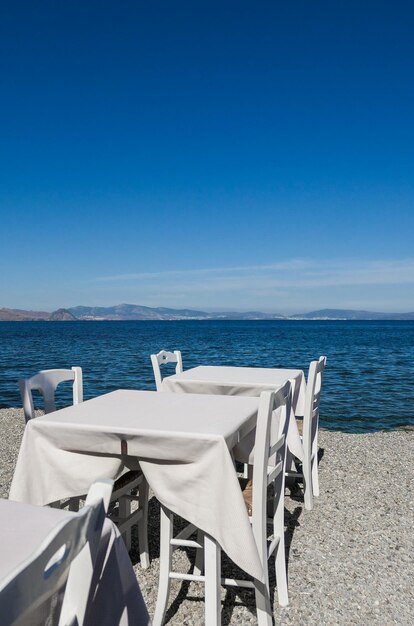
(369, 379)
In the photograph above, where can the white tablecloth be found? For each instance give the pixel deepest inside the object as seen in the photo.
(115, 599)
(244, 381)
(182, 443)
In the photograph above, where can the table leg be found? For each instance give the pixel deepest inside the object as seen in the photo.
(166, 534)
(212, 571)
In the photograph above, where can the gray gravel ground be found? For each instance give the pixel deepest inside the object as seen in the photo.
(351, 559)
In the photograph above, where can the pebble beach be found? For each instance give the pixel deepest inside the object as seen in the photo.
(351, 559)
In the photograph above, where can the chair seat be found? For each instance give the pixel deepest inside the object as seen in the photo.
(246, 486)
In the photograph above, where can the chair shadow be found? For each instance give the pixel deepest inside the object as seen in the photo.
(153, 534)
(321, 453)
(291, 523)
(234, 598)
(181, 597)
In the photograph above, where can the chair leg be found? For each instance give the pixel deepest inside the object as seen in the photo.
(262, 596)
(315, 478)
(199, 560)
(290, 461)
(166, 533)
(315, 468)
(280, 557)
(263, 609)
(143, 524)
(281, 576)
(259, 525)
(124, 505)
(314, 461)
(212, 582)
(307, 480)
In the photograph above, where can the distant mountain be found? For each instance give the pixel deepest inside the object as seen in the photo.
(62, 315)
(134, 312)
(137, 312)
(247, 315)
(18, 315)
(349, 314)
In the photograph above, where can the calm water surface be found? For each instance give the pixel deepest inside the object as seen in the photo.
(369, 379)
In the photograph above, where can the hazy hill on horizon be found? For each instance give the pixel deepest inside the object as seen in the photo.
(350, 314)
(140, 312)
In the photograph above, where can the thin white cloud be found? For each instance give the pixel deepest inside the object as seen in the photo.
(289, 274)
(289, 285)
(294, 264)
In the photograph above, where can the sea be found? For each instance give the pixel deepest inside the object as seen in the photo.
(369, 377)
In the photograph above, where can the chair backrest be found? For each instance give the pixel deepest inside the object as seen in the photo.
(270, 452)
(162, 358)
(67, 555)
(46, 382)
(312, 402)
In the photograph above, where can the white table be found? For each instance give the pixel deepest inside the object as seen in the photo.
(116, 599)
(244, 381)
(182, 443)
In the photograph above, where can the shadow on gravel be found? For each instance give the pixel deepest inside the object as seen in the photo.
(321, 453)
(153, 534)
(291, 522)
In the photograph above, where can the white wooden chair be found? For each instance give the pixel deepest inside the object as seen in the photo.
(163, 358)
(269, 468)
(310, 429)
(67, 555)
(131, 487)
(46, 383)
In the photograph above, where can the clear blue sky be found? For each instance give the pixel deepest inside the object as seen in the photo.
(243, 155)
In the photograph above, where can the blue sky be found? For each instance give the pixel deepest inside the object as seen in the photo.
(231, 155)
